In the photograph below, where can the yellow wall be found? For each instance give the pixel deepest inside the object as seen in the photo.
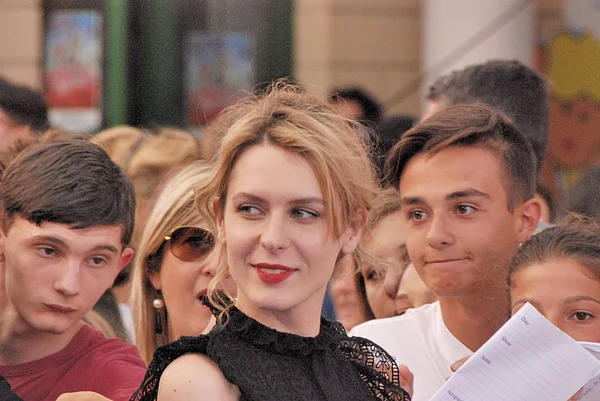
(375, 44)
(370, 43)
(21, 25)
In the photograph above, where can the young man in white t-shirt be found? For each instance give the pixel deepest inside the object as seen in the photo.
(467, 182)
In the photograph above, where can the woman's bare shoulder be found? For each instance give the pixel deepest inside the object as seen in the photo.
(194, 375)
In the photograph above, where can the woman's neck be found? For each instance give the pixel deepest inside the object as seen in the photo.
(302, 320)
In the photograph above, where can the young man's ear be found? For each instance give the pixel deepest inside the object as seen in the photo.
(528, 217)
(125, 258)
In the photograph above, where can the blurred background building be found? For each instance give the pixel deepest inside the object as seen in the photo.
(177, 62)
(391, 48)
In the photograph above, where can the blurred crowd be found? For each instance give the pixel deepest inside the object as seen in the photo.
(441, 259)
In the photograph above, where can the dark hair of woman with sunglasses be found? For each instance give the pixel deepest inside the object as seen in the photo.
(176, 259)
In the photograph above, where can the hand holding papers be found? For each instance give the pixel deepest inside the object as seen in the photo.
(527, 359)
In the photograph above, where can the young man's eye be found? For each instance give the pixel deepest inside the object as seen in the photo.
(465, 210)
(47, 251)
(582, 316)
(97, 261)
(303, 214)
(417, 215)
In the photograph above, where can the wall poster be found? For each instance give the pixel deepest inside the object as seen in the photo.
(73, 72)
(218, 70)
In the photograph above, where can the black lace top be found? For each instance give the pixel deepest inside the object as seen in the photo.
(6, 394)
(268, 365)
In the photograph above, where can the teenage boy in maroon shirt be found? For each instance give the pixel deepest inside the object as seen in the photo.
(67, 214)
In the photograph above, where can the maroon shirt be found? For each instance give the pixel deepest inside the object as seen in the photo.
(90, 362)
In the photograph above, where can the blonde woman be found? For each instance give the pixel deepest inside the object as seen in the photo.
(147, 156)
(177, 258)
(289, 193)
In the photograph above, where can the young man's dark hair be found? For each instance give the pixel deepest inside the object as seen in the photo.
(63, 182)
(386, 135)
(471, 125)
(23, 105)
(506, 85)
(371, 109)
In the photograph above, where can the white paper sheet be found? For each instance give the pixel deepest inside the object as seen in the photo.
(591, 391)
(527, 359)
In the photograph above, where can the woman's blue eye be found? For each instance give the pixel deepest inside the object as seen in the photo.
(303, 214)
(248, 209)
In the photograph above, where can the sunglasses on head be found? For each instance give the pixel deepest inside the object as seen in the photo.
(190, 243)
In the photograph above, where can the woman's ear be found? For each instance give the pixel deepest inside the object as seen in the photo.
(351, 239)
(219, 217)
(353, 234)
(154, 277)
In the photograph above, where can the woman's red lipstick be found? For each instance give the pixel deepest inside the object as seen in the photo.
(273, 274)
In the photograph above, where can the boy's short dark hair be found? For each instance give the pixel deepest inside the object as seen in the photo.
(71, 182)
(471, 126)
(507, 85)
(23, 105)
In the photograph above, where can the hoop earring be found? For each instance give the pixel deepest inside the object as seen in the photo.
(159, 304)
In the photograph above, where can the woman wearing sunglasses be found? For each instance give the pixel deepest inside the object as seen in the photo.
(176, 260)
(289, 192)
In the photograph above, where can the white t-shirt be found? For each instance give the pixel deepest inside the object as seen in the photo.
(420, 340)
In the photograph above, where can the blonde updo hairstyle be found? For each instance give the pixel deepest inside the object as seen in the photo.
(174, 208)
(147, 156)
(292, 119)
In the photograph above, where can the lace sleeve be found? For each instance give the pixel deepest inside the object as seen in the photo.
(376, 367)
(6, 394)
(163, 356)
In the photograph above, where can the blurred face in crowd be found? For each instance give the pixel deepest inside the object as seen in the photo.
(11, 131)
(54, 274)
(190, 261)
(434, 106)
(280, 250)
(412, 291)
(347, 301)
(565, 291)
(460, 232)
(385, 242)
(349, 109)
